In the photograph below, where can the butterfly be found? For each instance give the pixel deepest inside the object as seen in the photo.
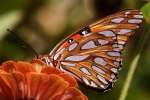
(93, 54)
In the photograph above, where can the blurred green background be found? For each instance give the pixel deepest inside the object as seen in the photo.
(43, 23)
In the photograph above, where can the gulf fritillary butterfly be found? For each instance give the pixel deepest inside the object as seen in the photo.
(93, 54)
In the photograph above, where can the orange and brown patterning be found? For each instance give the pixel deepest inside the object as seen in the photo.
(93, 54)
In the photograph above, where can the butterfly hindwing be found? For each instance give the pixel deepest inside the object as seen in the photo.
(93, 54)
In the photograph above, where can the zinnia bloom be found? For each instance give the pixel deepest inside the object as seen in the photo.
(30, 81)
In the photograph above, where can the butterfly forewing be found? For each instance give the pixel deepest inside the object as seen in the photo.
(93, 54)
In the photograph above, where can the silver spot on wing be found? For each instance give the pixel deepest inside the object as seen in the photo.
(72, 46)
(100, 61)
(118, 59)
(113, 76)
(113, 53)
(107, 33)
(117, 20)
(88, 45)
(58, 53)
(140, 12)
(85, 70)
(127, 12)
(138, 16)
(102, 86)
(114, 70)
(86, 81)
(99, 70)
(93, 84)
(121, 42)
(116, 63)
(102, 79)
(134, 21)
(76, 58)
(68, 64)
(120, 46)
(114, 38)
(124, 31)
(117, 47)
(102, 42)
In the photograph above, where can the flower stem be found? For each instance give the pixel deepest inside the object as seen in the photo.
(129, 77)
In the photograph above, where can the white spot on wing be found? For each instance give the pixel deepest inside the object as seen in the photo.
(114, 70)
(107, 33)
(116, 63)
(73, 46)
(114, 38)
(100, 61)
(116, 49)
(117, 54)
(98, 69)
(56, 56)
(58, 53)
(102, 79)
(121, 42)
(85, 70)
(112, 76)
(119, 46)
(114, 45)
(118, 59)
(102, 42)
(138, 16)
(68, 64)
(93, 84)
(85, 80)
(77, 58)
(102, 86)
(117, 20)
(134, 21)
(124, 31)
(127, 12)
(88, 45)
(140, 13)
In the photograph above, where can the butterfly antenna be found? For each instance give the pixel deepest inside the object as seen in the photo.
(24, 43)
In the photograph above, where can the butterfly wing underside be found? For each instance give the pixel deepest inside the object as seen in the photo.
(93, 54)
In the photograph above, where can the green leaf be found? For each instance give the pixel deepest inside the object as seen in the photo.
(146, 12)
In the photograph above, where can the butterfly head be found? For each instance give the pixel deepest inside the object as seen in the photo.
(45, 59)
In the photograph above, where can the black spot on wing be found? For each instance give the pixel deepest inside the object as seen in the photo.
(85, 31)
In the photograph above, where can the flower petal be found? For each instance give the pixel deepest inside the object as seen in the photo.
(71, 80)
(52, 88)
(73, 94)
(50, 70)
(22, 80)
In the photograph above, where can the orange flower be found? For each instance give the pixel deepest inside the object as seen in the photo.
(30, 81)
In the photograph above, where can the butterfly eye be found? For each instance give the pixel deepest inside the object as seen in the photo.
(70, 40)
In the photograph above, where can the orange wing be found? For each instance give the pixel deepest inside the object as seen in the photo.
(93, 54)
